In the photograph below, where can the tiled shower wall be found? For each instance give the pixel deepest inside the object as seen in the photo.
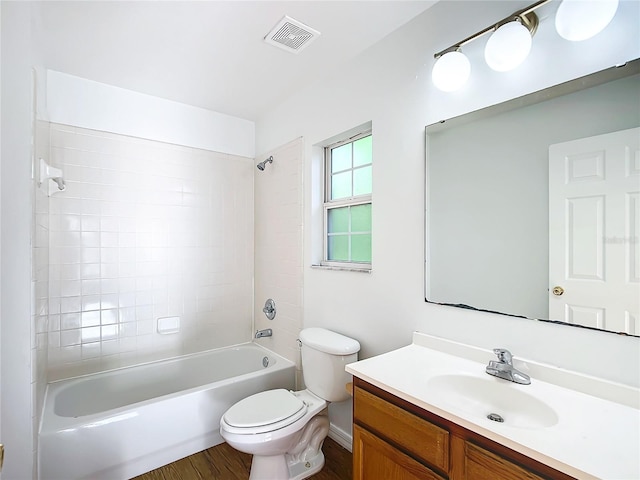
(278, 249)
(145, 230)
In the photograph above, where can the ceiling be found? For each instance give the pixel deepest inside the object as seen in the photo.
(210, 54)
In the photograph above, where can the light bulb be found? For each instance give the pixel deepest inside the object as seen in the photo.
(508, 46)
(578, 20)
(451, 71)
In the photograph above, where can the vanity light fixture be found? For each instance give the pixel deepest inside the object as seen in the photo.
(451, 71)
(511, 38)
(578, 20)
(510, 44)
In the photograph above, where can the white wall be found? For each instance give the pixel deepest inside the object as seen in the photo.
(390, 85)
(84, 103)
(17, 393)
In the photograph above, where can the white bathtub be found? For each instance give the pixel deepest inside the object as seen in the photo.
(121, 423)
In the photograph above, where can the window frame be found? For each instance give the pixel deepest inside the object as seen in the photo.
(351, 201)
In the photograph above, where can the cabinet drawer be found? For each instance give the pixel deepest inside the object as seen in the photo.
(413, 434)
(484, 465)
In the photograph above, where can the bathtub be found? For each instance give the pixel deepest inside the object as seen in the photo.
(122, 423)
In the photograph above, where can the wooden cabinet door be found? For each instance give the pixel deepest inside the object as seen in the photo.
(375, 459)
(481, 464)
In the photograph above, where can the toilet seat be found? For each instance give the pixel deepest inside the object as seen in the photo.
(264, 412)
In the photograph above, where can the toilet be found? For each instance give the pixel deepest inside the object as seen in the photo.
(284, 430)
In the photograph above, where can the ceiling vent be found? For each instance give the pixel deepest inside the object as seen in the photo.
(291, 35)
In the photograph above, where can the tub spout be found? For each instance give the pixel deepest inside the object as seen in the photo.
(264, 333)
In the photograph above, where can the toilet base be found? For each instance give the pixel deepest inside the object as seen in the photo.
(277, 467)
(301, 470)
(302, 461)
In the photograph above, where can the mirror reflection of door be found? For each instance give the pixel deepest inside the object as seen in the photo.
(594, 231)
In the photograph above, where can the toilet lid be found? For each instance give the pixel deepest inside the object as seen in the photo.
(265, 408)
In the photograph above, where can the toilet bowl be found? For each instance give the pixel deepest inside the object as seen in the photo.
(285, 430)
(270, 425)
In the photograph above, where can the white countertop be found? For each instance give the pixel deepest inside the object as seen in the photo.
(598, 430)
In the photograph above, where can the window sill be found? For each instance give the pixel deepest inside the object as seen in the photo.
(344, 269)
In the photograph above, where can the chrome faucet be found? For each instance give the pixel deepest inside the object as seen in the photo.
(264, 333)
(503, 368)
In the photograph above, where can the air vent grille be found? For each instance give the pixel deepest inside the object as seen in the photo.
(291, 35)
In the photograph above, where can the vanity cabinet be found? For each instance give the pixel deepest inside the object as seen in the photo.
(396, 440)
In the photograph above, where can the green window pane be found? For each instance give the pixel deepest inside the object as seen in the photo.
(341, 185)
(362, 181)
(362, 151)
(338, 247)
(361, 248)
(341, 158)
(338, 220)
(361, 218)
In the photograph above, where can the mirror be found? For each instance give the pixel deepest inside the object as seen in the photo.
(487, 201)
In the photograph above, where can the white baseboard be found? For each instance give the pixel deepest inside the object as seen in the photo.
(341, 437)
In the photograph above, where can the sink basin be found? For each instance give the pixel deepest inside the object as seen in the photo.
(500, 399)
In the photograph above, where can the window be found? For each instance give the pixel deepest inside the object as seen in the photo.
(347, 202)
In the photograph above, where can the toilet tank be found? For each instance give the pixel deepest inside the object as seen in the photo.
(324, 356)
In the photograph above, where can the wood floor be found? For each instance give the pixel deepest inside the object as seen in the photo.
(224, 463)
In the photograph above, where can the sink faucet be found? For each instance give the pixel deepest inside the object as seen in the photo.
(264, 333)
(503, 368)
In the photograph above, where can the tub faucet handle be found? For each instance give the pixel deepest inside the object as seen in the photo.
(270, 309)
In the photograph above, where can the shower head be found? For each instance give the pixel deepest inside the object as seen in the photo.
(261, 165)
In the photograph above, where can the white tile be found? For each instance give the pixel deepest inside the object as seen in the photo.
(91, 287)
(127, 317)
(90, 270)
(90, 239)
(108, 285)
(90, 223)
(108, 239)
(109, 255)
(54, 339)
(71, 271)
(108, 332)
(90, 319)
(127, 299)
(70, 288)
(109, 224)
(156, 242)
(90, 303)
(54, 323)
(70, 337)
(109, 301)
(108, 270)
(144, 327)
(128, 329)
(109, 317)
(144, 313)
(70, 304)
(67, 222)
